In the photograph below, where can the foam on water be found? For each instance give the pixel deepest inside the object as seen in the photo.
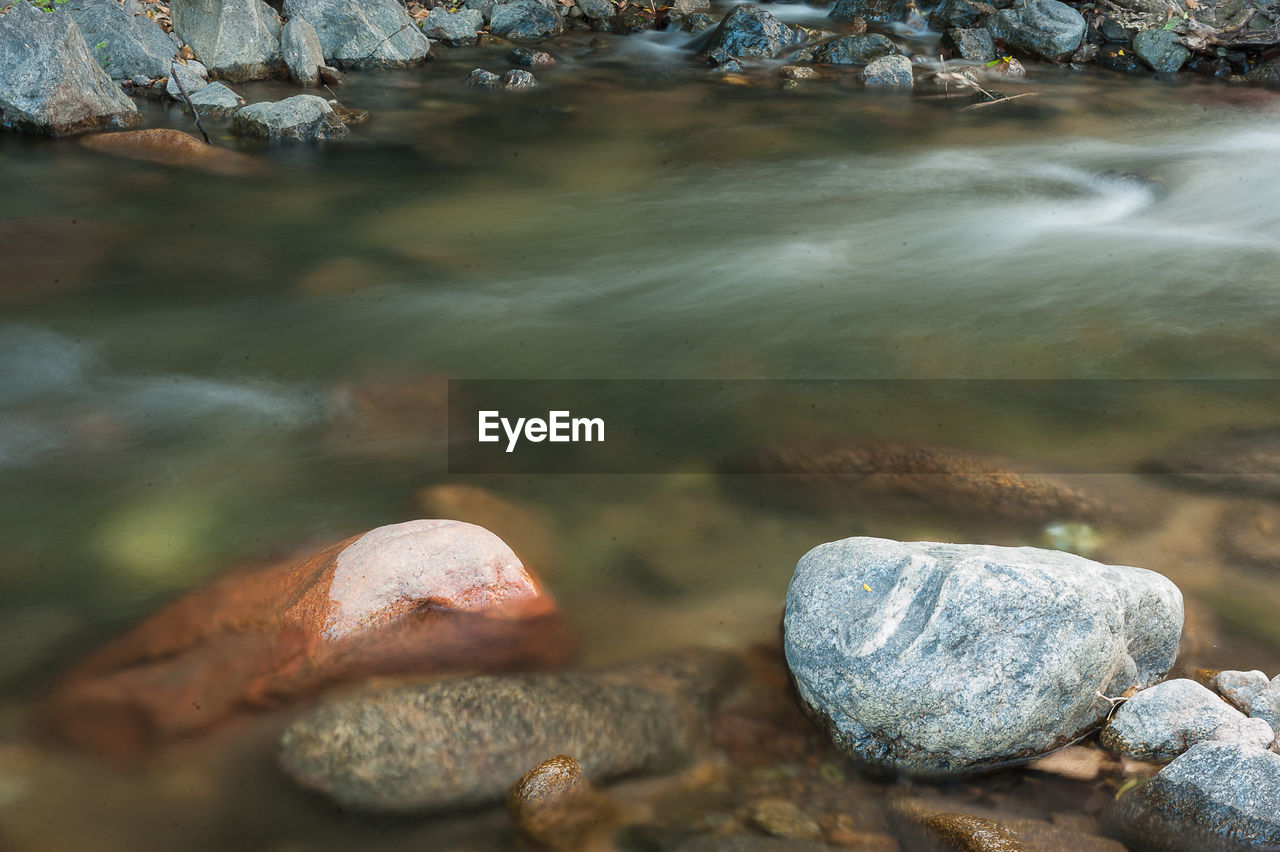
(56, 390)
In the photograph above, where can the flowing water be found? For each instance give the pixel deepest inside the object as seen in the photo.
(199, 368)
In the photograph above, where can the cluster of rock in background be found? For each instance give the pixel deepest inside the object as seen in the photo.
(77, 48)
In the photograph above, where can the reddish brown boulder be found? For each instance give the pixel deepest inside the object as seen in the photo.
(423, 596)
(173, 148)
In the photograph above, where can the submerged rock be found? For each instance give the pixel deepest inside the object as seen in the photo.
(1243, 460)
(1046, 28)
(1162, 722)
(750, 31)
(301, 118)
(422, 596)
(302, 53)
(554, 806)
(1218, 795)
(526, 58)
(920, 824)
(237, 39)
(889, 71)
(524, 20)
(937, 659)
(1160, 50)
(50, 82)
(1250, 535)
(363, 33)
(460, 743)
(782, 818)
(854, 50)
(125, 42)
(172, 147)
(518, 79)
(937, 476)
(482, 79)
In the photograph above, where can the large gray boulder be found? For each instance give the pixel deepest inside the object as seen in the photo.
(1218, 795)
(301, 118)
(464, 742)
(1162, 722)
(302, 53)
(50, 82)
(939, 659)
(125, 42)
(524, 20)
(363, 33)
(236, 39)
(749, 30)
(1046, 28)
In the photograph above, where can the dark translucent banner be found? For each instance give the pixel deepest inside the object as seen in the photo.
(862, 427)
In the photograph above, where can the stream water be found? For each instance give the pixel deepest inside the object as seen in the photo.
(197, 368)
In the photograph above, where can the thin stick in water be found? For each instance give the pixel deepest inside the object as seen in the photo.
(182, 90)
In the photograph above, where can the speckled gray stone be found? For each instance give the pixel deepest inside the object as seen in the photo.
(1162, 722)
(191, 81)
(973, 44)
(1160, 50)
(524, 20)
(1215, 796)
(464, 742)
(452, 28)
(889, 72)
(1264, 703)
(1240, 687)
(303, 56)
(216, 99)
(871, 11)
(125, 42)
(49, 81)
(939, 659)
(363, 33)
(237, 39)
(854, 50)
(301, 118)
(1046, 28)
(751, 31)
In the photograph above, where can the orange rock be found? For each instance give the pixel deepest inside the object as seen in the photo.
(423, 596)
(172, 147)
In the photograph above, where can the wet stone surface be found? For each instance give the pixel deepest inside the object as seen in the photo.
(938, 659)
(465, 742)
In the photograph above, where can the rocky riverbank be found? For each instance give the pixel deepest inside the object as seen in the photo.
(941, 677)
(72, 66)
